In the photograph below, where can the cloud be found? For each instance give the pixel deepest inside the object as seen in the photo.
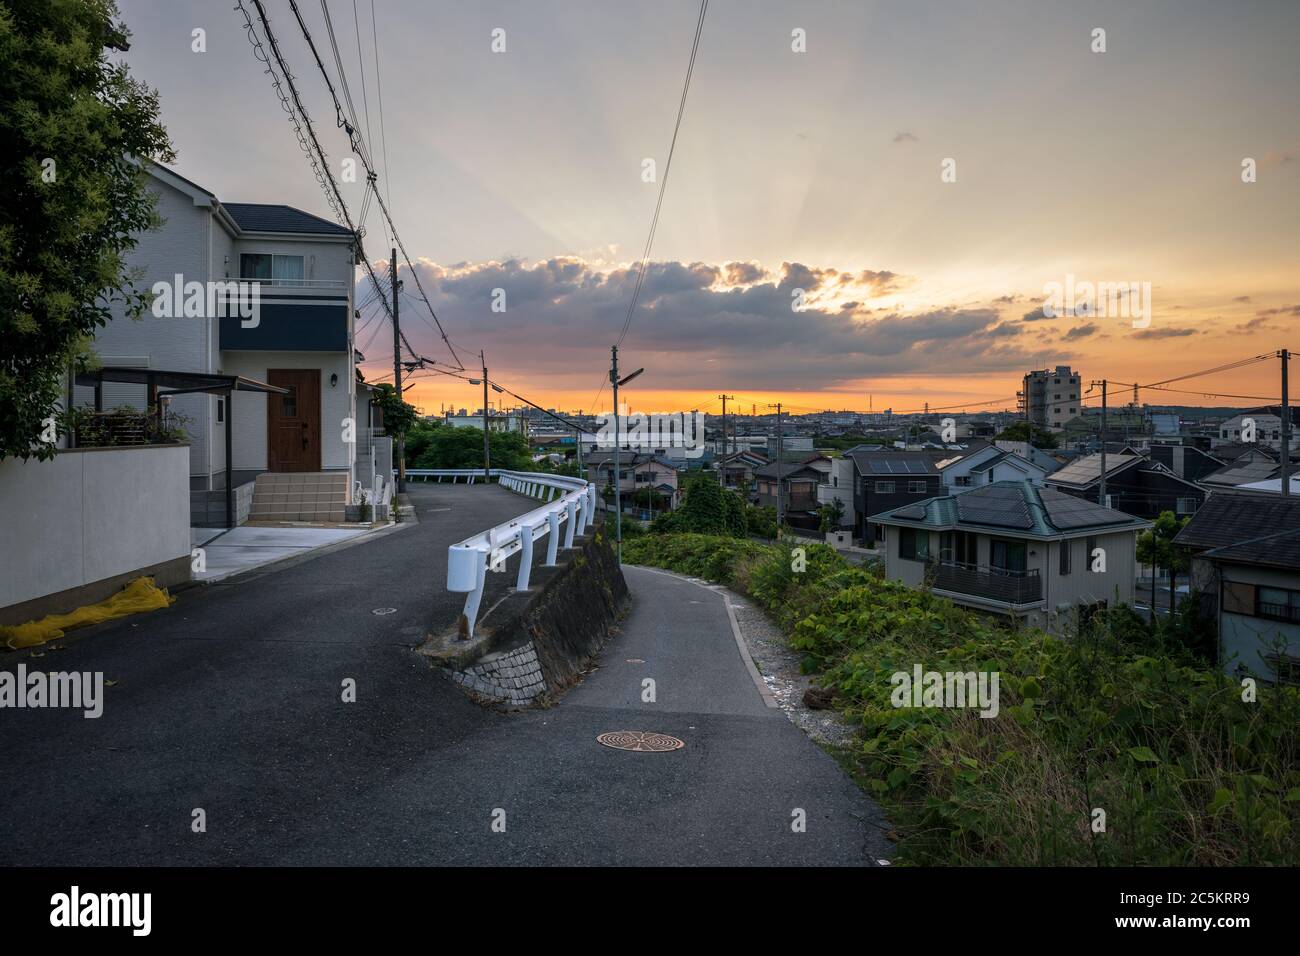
(736, 318)
(906, 137)
(1082, 331)
(1036, 316)
(1281, 310)
(1165, 333)
(1244, 298)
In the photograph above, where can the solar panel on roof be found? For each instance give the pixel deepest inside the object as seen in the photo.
(1002, 507)
(911, 513)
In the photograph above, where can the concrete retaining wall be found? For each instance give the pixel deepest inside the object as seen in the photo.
(78, 526)
(538, 643)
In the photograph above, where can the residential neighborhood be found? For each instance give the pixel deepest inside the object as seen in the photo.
(397, 471)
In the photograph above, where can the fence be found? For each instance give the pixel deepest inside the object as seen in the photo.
(568, 501)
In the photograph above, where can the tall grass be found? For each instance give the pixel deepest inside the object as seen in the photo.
(1109, 748)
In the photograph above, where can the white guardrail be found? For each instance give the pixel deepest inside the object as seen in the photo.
(568, 501)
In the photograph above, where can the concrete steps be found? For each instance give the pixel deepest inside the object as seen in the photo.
(300, 496)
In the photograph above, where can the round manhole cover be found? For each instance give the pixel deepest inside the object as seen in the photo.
(381, 611)
(642, 740)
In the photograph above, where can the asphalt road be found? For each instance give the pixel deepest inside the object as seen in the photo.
(230, 701)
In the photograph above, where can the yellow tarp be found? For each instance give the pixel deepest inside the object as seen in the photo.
(140, 595)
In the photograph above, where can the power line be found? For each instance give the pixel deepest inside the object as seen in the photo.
(663, 183)
(359, 147)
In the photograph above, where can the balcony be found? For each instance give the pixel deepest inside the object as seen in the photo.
(991, 584)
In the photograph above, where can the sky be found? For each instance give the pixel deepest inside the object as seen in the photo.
(872, 222)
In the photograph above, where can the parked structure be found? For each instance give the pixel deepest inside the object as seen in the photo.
(1014, 549)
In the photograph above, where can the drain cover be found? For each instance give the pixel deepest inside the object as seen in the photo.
(381, 611)
(638, 660)
(640, 740)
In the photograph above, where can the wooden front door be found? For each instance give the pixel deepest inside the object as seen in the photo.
(293, 420)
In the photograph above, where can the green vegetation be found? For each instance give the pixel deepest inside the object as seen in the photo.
(441, 446)
(1156, 547)
(1119, 718)
(73, 202)
(708, 508)
(1024, 431)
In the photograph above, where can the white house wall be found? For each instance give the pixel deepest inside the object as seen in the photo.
(250, 407)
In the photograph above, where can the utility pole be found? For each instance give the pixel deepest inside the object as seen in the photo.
(1101, 493)
(726, 447)
(780, 479)
(397, 370)
(618, 458)
(1285, 457)
(618, 477)
(487, 454)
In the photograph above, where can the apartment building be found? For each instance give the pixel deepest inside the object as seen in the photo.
(1051, 397)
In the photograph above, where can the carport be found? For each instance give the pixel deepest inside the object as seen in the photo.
(158, 383)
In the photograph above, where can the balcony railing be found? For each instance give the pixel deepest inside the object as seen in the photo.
(315, 284)
(993, 584)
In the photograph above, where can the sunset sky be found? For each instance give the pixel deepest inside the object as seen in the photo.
(818, 171)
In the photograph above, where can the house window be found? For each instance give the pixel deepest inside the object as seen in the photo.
(221, 410)
(916, 487)
(1286, 669)
(276, 268)
(958, 546)
(1065, 548)
(1186, 506)
(884, 487)
(1007, 555)
(289, 403)
(913, 545)
(1279, 604)
(962, 481)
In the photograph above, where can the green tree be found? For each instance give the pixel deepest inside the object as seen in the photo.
(399, 415)
(445, 447)
(73, 202)
(831, 514)
(1156, 547)
(1026, 431)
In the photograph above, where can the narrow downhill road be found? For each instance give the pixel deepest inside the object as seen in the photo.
(230, 701)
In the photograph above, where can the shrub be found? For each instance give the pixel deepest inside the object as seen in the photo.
(1118, 717)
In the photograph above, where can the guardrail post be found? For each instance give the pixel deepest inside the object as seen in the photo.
(553, 538)
(591, 504)
(525, 558)
(570, 510)
(466, 568)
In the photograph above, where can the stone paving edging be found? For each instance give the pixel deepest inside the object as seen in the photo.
(512, 677)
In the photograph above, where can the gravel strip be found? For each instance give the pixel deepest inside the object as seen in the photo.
(779, 666)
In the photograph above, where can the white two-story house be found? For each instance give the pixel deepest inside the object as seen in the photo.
(300, 342)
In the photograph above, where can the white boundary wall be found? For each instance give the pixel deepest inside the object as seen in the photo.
(91, 514)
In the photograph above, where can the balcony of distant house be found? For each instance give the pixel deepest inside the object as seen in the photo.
(1003, 585)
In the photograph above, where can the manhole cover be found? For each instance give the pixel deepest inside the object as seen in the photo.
(381, 611)
(640, 740)
(637, 660)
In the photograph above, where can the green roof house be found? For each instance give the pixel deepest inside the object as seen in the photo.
(1015, 549)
